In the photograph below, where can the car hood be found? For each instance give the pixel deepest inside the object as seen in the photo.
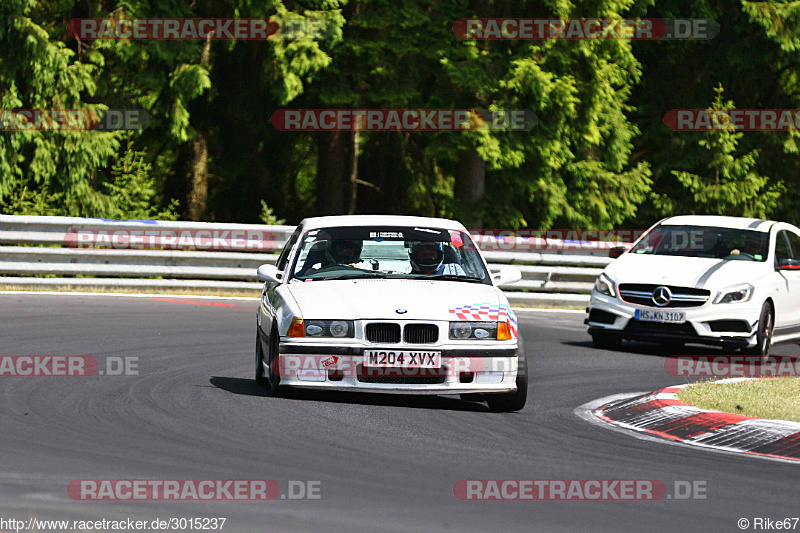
(380, 298)
(699, 272)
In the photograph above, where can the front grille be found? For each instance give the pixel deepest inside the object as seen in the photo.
(421, 333)
(733, 326)
(642, 294)
(400, 376)
(383, 332)
(602, 317)
(655, 328)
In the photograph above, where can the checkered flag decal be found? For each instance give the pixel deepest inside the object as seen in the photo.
(487, 312)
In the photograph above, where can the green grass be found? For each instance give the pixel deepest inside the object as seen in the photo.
(777, 398)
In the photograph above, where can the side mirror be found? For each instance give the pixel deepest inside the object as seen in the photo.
(789, 264)
(268, 274)
(507, 275)
(616, 251)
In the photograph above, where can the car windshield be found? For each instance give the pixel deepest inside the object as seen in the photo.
(388, 252)
(705, 241)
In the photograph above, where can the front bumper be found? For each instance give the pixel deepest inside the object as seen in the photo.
(464, 369)
(705, 324)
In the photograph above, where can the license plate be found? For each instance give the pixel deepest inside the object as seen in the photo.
(402, 359)
(668, 317)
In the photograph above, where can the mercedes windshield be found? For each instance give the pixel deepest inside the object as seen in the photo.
(704, 241)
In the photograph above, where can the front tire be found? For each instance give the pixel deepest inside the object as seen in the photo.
(514, 401)
(766, 325)
(261, 380)
(278, 390)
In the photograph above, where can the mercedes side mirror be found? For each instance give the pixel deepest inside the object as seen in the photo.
(789, 264)
(616, 251)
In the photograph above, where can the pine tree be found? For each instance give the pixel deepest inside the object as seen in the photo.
(58, 168)
(732, 186)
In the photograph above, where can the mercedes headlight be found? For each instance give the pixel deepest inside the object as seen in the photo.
(604, 285)
(735, 293)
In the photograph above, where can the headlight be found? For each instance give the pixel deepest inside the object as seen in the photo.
(735, 293)
(340, 328)
(330, 328)
(473, 330)
(604, 285)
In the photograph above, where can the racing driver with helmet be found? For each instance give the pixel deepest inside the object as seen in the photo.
(427, 258)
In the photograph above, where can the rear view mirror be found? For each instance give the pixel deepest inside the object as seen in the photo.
(616, 251)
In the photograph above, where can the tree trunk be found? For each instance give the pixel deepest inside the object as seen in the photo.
(383, 167)
(469, 186)
(337, 167)
(198, 195)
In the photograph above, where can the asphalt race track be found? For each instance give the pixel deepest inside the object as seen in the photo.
(384, 463)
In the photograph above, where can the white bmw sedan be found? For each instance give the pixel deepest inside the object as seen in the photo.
(727, 281)
(390, 304)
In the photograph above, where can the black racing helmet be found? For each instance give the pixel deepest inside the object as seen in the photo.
(426, 257)
(343, 251)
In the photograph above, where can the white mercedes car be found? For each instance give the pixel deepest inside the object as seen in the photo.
(726, 281)
(392, 304)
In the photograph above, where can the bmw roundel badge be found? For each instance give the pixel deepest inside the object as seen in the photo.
(401, 311)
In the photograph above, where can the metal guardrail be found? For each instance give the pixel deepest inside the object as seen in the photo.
(32, 247)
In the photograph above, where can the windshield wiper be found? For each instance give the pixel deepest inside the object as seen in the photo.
(352, 276)
(453, 277)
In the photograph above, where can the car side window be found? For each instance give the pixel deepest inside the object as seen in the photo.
(782, 250)
(281, 264)
(794, 242)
